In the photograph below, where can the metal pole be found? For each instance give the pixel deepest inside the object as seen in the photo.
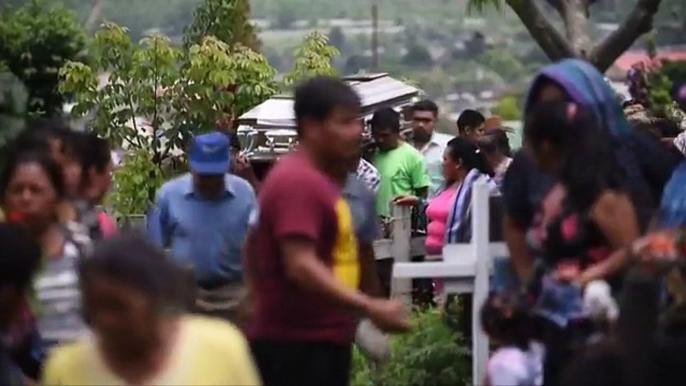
(375, 34)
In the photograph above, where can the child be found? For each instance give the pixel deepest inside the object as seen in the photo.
(518, 361)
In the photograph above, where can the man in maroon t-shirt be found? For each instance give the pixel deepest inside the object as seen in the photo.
(305, 273)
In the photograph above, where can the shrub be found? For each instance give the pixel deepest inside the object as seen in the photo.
(431, 354)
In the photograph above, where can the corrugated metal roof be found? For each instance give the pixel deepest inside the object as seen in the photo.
(374, 93)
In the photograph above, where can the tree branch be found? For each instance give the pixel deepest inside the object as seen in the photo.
(575, 14)
(639, 22)
(94, 16)
(548, 38)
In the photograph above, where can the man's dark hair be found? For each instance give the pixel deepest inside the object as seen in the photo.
(318, 97)
(386, 118)
(90, 151)
(495, 141)
(37, 135)
(469, 119)
(20, 256)
(426, 105)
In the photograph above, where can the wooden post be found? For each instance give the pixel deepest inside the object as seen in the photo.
(401, 248)
(481, 244)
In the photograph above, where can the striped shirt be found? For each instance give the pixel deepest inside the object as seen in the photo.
(57, 290)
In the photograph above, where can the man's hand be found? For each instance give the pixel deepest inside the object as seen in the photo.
(388, 315)
(406, 200)
(243, 166)
(655, 251)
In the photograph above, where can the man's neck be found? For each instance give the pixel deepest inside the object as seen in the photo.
(421, 144)
(331, 169)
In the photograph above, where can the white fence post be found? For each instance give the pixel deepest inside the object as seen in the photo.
(400, 249)
(481, 244)
(466, 269)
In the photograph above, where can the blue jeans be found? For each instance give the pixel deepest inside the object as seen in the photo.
(504, 277)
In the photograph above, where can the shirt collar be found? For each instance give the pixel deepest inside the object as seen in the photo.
(189, 188)
(433, 142)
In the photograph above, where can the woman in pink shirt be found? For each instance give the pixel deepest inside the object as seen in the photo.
(463, 164)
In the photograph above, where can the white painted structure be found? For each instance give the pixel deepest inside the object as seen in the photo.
(465, 268)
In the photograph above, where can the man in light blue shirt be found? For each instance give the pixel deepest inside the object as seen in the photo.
(202, 217)
(428, 142)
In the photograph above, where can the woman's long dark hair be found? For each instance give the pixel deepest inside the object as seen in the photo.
(465, 150)
(589, 165)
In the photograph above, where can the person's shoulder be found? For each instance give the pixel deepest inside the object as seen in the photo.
(356, 187)
(215, 335)
(441, 139)
(178, 184)
(239, 184)
(68, 359)
(293, 172)
(410, 152)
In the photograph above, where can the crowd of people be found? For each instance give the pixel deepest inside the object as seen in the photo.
(236, 281)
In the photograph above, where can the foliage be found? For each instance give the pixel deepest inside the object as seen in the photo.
(661, 96)
(154, 83)
(35, 41)
(134, 181)
(508, 109)
(226, 20)
(13, 98)
(504, 63)
(417, 56)
(431, 354)
(676, 71)
(314, 57)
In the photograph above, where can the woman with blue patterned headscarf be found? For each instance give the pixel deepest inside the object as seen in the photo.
(647, 165)
(644, 168)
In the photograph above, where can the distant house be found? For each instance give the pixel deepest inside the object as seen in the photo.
(624, 63)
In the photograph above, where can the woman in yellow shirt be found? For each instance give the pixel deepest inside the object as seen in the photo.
(130, 299)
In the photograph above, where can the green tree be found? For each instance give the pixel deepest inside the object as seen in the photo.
(35, 41)
(13, 98)
(504, 63)
(417, 56)
(157, 96)
(508, 109)
(227, 20)
(576, 18)
(314, 57)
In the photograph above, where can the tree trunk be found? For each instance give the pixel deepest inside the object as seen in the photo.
(577, 24)
(578, 43)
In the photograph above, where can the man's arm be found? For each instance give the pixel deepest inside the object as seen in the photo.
(247, 252)
(305, 269)
(158, 227)
(420, 177)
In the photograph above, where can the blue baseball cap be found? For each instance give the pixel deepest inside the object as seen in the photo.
(209, 154)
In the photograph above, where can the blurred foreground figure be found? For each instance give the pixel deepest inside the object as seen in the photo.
(19, 260)
(131, 300)
(305, 271)
(31, 189)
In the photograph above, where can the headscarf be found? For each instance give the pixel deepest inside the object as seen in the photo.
(587, 87)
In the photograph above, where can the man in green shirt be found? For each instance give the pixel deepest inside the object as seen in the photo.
(402, 167)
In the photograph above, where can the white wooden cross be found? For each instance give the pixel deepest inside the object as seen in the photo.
(465, 268)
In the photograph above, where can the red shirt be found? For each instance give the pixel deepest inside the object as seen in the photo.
(297, 200)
